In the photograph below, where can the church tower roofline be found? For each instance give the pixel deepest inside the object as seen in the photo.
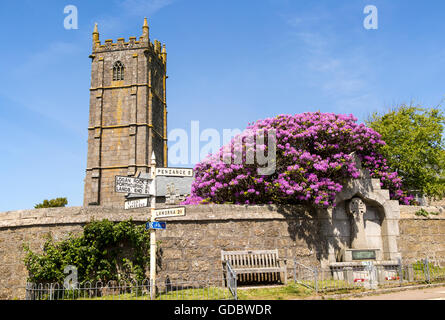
(132, 44)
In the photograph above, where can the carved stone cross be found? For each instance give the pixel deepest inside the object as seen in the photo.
(357, 209)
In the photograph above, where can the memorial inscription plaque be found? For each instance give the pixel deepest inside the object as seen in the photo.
(363, 255)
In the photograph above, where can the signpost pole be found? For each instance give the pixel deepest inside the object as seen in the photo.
(153, 234)
(152, 257)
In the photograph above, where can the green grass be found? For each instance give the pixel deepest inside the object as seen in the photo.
(212, 293)
(335, 286)
(288, 292)
(436, 272)
(291, 291)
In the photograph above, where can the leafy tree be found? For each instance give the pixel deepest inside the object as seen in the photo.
(53, 203)
(414, 146)
(105, 251)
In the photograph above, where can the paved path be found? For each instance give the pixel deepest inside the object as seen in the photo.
(437, 293)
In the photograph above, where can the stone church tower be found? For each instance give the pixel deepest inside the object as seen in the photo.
(128, 113)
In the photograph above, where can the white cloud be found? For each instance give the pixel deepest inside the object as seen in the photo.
(341, 74)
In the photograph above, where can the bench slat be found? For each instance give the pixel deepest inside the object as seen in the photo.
(250, 252)
(259, 270)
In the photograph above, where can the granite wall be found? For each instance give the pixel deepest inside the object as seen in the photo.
(422, 237)
(191, 246)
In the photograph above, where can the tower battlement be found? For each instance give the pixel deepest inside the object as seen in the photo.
(156, 47)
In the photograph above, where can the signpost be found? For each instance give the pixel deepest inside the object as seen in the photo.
(138, 203)
(156, 225)
(143, 186)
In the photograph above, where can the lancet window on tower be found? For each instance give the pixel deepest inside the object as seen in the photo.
(118, 71)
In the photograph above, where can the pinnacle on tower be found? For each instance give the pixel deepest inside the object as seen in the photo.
(153, 159)
(95, 34)
(164, 53)
(145, 30)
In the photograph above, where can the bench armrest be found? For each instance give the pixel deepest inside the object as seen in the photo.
(282, 263)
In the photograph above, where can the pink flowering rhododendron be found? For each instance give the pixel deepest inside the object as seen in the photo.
(313, 160)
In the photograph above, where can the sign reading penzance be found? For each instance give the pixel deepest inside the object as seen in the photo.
(132, 185)
(174, 172)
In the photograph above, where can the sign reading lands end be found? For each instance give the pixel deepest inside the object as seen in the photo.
(132, 185)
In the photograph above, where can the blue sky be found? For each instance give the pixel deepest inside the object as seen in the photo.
(229, 63)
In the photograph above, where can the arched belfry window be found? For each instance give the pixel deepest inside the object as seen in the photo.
(118, 71)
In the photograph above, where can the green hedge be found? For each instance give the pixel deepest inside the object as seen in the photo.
(105, 251)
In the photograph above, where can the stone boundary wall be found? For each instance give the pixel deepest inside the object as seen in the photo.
(422, 237)
(191, 246)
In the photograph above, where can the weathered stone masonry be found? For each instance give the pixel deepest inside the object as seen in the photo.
(128, 117)
(191, 245)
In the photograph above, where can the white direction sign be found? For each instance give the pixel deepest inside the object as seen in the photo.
(132, 185)
(174, 172)
(169, 212)
(137, 203)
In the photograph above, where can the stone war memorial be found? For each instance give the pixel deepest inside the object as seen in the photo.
(364, 226)
(291, 225)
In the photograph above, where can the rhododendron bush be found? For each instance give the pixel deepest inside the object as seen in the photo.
(313, 159)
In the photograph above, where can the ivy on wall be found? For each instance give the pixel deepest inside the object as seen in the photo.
(105, 251)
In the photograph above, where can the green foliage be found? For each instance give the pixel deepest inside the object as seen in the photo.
(414, 147)
(53, 203)
(105, 251)
(424, 213)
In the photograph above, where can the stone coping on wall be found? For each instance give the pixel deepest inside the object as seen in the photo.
(81, 215)
(69, 215)
(409, 212)
(211, 212)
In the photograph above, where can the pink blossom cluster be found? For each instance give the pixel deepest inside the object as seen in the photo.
(313, 160)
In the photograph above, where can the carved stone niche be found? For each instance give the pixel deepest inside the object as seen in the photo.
(365, 232)
(364, 220)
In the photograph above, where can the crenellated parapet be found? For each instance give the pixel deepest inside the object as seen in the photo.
(156, 48)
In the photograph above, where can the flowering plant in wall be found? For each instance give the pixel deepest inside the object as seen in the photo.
(312, 161)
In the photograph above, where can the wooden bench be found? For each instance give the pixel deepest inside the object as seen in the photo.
(256, 265)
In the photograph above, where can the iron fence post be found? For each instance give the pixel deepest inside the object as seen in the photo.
(235, 285)
(232, 280)
(427, 268)
(151, 291)
(295, 270)
(399, 261)
(27, 292)
(316, 279)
